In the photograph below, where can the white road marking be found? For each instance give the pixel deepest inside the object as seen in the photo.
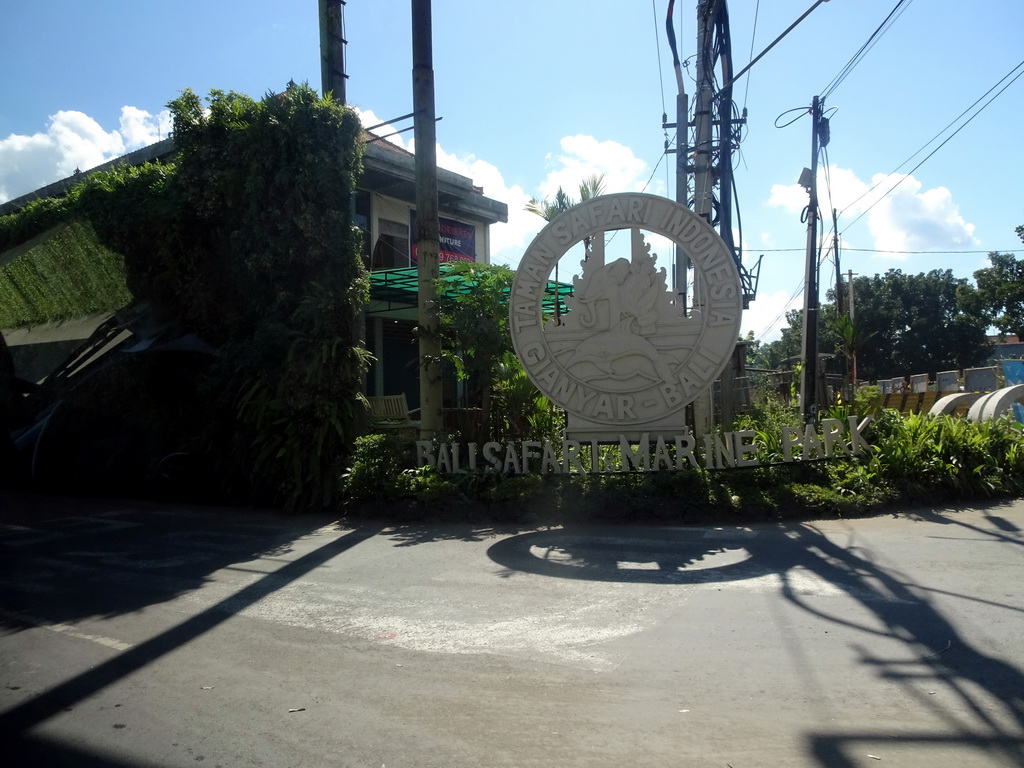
(66, 629)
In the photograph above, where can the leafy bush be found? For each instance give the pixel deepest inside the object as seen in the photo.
(770, 412)
(925, 455)
(378, 468)
(867, 401)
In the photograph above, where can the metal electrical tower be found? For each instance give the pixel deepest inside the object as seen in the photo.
(716, 133)
(707, 156)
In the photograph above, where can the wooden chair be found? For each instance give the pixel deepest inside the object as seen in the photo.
(391, 412)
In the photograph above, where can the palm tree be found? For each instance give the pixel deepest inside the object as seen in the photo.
(591, 186)
(852, 339)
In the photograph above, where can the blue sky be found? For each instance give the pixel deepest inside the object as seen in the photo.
(534, 95)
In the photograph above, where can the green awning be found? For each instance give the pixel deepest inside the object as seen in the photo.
(401, 286)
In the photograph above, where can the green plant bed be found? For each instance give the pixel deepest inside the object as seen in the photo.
(916, 460)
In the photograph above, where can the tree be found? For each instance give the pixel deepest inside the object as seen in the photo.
(785, 352)
(905, 324)
(592, 186)
(475, 338)
(1000, 292)
(851, 338)
(780, 354)
(922, 323)
(472, 305)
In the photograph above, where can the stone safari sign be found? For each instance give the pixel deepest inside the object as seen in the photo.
(715, 451)
(625, 360)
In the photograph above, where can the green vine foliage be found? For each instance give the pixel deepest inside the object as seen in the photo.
(277, 279)
(67, 277)
(472, 305)
(246, 240)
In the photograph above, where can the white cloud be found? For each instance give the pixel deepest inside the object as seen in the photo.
(900, 218)
(911, 220)
(508, 241)
(139, 128)
(580, 157)
(766, 316)
(792, 197)
(370, 120)
(583, 156)
(72, 141)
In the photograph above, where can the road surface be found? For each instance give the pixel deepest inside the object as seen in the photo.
(166, 635)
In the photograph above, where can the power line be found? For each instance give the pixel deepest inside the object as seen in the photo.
(862, 52)
(793, 297)
(933, 138)
(657, 46)
(753, 35)
(946, 140)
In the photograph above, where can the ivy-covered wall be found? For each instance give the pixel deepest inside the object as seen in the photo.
(246, 240)
(69, 275)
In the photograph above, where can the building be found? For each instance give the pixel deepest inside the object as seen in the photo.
(384, 210)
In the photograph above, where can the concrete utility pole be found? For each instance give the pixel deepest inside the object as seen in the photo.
(682, 188)
(428, 232)
(682, 150)
(703, 180)
(703, 176)
(332, 48)
(809, 374)
(853, 358)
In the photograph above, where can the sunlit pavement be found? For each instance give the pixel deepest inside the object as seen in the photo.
(140, 634)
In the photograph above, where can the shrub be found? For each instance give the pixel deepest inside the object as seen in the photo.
(379, 467)
(924, 455)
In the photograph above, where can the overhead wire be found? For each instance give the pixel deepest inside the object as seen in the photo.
(880, 250)
(797, 292)
(753, 36)
(944, 142)
(657, 46)
(933, 138)
(900, 7)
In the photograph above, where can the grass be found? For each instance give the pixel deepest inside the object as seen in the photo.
(70, 275)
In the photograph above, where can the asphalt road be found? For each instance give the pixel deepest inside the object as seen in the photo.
(162, 635)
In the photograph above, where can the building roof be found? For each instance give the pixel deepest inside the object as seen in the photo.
(387, 169)
(391, 170)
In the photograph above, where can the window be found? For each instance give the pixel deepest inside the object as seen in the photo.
(392, 248)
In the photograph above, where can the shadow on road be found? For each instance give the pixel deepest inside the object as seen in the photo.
(983, 697)
(92, 558)
(148, 565)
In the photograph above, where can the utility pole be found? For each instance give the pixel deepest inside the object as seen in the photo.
(703, 176)
(682, 188)
(809, 373)
(428, 233)
(835, 254)
(332, 49)
(703, 180)
(853, 357)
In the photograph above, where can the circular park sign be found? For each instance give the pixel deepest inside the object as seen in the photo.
(626, 358)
